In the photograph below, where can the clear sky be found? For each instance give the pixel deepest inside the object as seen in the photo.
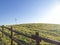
(29, 11)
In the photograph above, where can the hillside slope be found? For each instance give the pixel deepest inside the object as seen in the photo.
(51, 31)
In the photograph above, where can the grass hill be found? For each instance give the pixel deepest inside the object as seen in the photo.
(51, 31)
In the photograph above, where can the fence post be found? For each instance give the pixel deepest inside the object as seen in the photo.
(19, 43)
(37, 41)
(11, 35)
(2, 30)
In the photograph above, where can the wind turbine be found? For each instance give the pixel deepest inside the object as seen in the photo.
(16, 20)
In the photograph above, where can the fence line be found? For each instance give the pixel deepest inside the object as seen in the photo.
(19, 42)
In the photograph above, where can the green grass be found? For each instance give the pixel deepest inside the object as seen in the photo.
(51, 31)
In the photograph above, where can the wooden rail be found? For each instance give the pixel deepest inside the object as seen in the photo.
(20, 42)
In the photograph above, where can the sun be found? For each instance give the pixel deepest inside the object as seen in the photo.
(53, 15)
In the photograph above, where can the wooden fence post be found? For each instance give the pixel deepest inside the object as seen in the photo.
(37, 41)
(2, 30)
(11, 35)
(20, 44)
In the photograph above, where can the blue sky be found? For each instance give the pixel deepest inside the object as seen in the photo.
(29, 11)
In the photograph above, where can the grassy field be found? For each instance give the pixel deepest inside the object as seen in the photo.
(51, 31)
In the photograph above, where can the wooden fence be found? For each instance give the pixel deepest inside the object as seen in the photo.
(20, 42)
